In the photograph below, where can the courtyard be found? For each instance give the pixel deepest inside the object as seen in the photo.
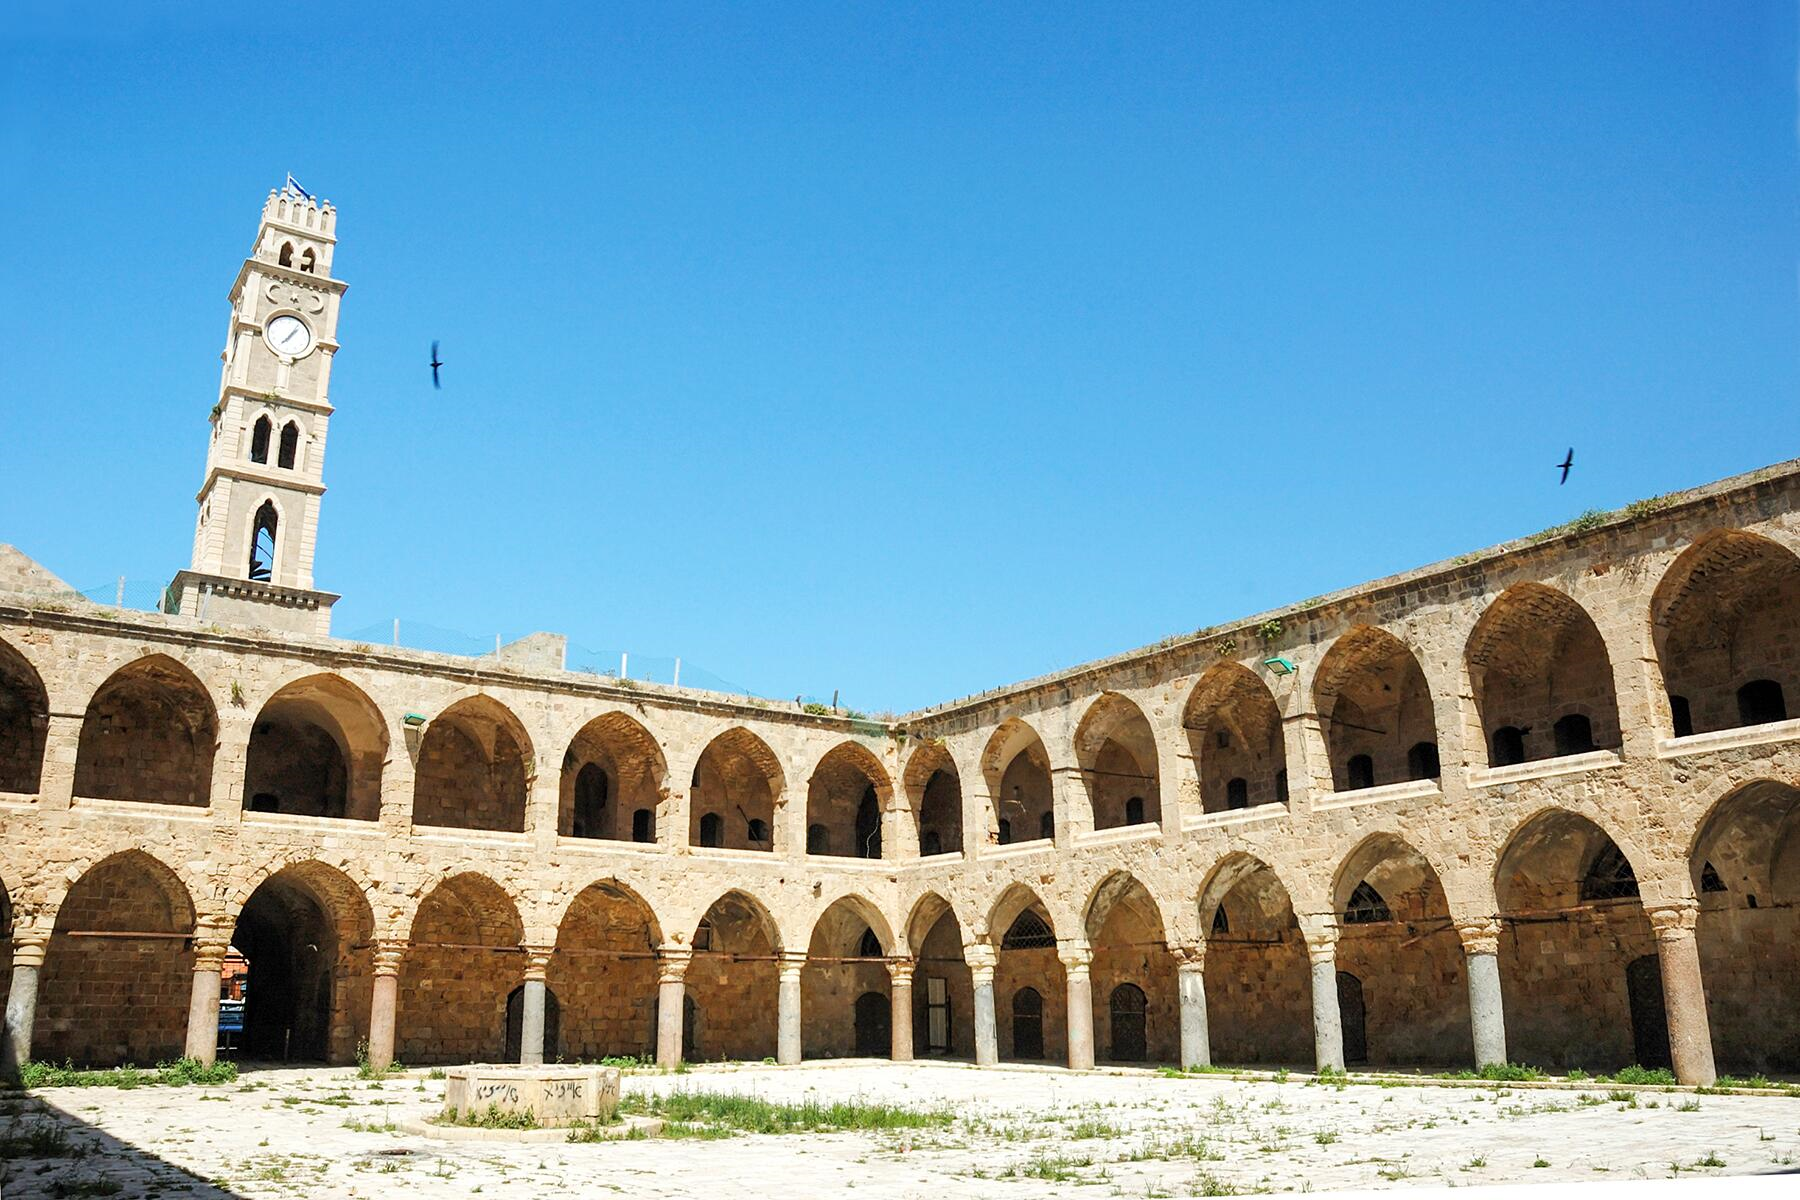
(937, 1129)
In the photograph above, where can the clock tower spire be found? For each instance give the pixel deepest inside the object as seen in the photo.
(259, 500)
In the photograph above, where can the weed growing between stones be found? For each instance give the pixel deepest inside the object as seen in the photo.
(491, 1117)
(180, 1073)
(752, 1115)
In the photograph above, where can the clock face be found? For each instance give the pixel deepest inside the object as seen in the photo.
(289, 335)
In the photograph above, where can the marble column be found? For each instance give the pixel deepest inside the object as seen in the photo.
(28, 950)
(383, 1003)
(982, 959)
(671, 1003)
(531, 1022)
(900, 1004)
(1684, 993)
(1077, 958)
(1328, 1026)
(1190, 987)
(203, 1001)
(787, 1008)
(1487, 1013)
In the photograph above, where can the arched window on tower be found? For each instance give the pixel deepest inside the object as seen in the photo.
(259, 440)
(307, 260)
(287, 254)
(262, 543)
(290, 446)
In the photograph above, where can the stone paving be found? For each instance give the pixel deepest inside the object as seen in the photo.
(1016, 1133)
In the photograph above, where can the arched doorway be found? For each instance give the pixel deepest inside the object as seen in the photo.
(1028, 970)
(1016, 767)
(316, 750)
(845, 962)
(1649, 1017)
(943, 986)
(738, 782)
(604, 974)
(148, 735)
(1130, 958)
(1376, 709)
(304, 937)
(472, 765)
(1265, 1017)
(934, 788)
(1542, 678)
(1027, 1024)
(24, 723)
(612, 769)
(1126, 1012)
(843, 804)
(733, 979)
(1234, 735)
(463, 962)
(873, 1026)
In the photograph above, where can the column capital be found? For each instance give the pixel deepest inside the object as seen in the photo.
(1188, 956)
(1076, 957)
(537, 961)
(209, 956)
(1321, 943)
(982, 958)
(1480, 935)
(900, 971)
(1674, 922)
(389, 954)
(789, 963)
(672, 963)
(29, 946)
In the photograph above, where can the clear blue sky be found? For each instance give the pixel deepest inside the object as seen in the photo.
(907, 350)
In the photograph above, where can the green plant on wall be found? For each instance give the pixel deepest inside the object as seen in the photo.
(1269, 630)
(1225, 646)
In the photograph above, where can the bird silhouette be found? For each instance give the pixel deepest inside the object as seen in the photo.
(1567, 462)
(435, 364)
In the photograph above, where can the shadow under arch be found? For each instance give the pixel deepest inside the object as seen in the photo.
(846, 995)
(1376, 708)
(614, 781)
(1116, 751)
(933, 786)
(604, 973)
(1408, 984)
(118, 971)
(1720, 619)
(847, 794)
(943, 986)
(736, 787)
(1579, 972)
(1253, 939)
(149, 735)
(1030, 988)
(1541, 677)
(24, 723)
(1015, 765)
(463, 963)
(1137, 1010)
(733, 981)
(473, 762)
(1745, 865)
(1234, 735)
(316, 750)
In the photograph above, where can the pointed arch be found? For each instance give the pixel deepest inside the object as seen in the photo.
(838, 928)
(613, 768)
(604, 972)
(148, 735)
(1116, 751)
(287, 455)
(316, 749)
(733, 979)
(1234, 734)
(943, 986)
(24, 723)
(1266, 1017)
(1721, 621)
(933, 786)
(304, 932)
(845, 990)
(740, 780)
(845, 799)
(124, 921)
(462, 962)
(1016, 768)
(1131, 960)
(1376, 707)
(473, 762)
(261, 430)
(1541, 677)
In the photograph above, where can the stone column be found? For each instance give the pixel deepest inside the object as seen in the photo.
(981, 958)
(787, 1008)
(1307, 758)
(383, 1003)
(62, 740)
(1328, 1026)
(531, 1022)
(1684, 993)
(900, 1003)
(1190, 986)
(1076, 958)
(203, 1001)
(671, 1003)
(21, 1001)
(1487, 1014)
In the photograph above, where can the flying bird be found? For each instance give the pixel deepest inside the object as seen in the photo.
(1567, 462)
(435, 364)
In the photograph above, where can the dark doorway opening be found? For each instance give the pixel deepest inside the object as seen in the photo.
(515, 1024)
(1353, 1017)
(1649, 1019)
(289, 947)
(937, 1014)
(1028, 1024)
(873, 1037)
(1128, 1007)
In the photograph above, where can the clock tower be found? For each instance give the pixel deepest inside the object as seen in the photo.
(265, 460)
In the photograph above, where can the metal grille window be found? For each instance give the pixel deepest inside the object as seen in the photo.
(1610, 878)
(1366, 906)
(1028, 932)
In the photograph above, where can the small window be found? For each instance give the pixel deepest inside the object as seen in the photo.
(1047, 825)
(290, 446)
(307, 260)
(262, 543)
(1610, 877)
(870, 946)
(1508, 746)
(286, 258)
(712, 830)
(589, 816)
(1422, 761)
(1028, 932)
(1223, 739)
(1281, 786)
(643, 826)
(1760, 702)
(1220, 923)
(259, 440)
(757, 832)
(1134, 811)
(1709, 879)
(1366, 906)
(1005, 831)
(818, 839)
(1574, 734)
(1237, 794)
(1682, 715)
(1360, 772)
